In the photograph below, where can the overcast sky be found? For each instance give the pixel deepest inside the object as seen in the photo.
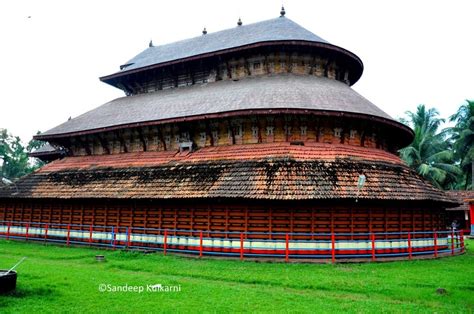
(53, 52)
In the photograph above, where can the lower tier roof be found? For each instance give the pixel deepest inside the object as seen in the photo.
(261, 171)
(463, 197)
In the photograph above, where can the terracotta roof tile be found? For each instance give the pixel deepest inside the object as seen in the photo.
(462, 197)
(276, 171)
(310, 151)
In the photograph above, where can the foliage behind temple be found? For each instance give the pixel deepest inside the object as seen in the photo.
(14, 153)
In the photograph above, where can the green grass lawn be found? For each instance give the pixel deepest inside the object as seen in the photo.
(61, 279)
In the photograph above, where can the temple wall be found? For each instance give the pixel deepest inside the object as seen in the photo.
(231, 131)
(239, 68)
(239, 216)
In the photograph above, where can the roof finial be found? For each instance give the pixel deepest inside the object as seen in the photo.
(282, 12)
(204, 31)
(150, 44)
(239, 22)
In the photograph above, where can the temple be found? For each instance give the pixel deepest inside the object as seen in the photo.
(253, 130)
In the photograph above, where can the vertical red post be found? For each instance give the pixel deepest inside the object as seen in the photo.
(436, 244)
(456, 237)
(164, 242)
(8, 230)
(241, 246)
(68, 234)
(409, 246)
(287, 248)
(471, 217)
(112, 236)
(200, 243)
(114, 240)
(452, 241)
(27, 228)
(333, 247)
(90, 234)
(462, 240)
(46, 232)
(373, 246)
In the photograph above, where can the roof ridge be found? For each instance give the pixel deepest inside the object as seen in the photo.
(208, 34)
(276, 29)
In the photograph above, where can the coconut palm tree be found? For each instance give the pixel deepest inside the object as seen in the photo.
(430, 153)
(462, 135)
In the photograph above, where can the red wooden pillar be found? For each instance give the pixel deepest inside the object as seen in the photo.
(452, 241)
(46, 232)
(461, 239)
(373, 246)
(114, 237)
(129, 230)
(90, 234)
(8, 230)
(287, 251)
(409, 246)
(165, 239)
(436, 244)
(27, 229)
(200, 243)
(333, 248)
(241, 246)
(471, 216)
(68, 234)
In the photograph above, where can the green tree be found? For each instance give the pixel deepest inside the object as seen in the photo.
(16, 162)
(430, 153)
(32, 146)
(462, 135)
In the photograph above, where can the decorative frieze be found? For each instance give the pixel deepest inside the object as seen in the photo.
(231, 131)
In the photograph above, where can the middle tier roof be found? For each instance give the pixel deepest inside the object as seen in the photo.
(282, 91)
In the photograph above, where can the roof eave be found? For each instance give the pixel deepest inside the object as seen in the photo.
(109, 79)
(407, 130)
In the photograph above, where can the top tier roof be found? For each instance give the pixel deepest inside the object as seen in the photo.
(282, 92)
(279, 29)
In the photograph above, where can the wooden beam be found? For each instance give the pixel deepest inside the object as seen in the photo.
(159, 133)
(231, 128)
(85, 145)
(142, 139)
(362, 138)
(265, 64)
(104, 143)
(318, 129)
(123, 144)
(313, 64)
(270, 222)
(229, 70)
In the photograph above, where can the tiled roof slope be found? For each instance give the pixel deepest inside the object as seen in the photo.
(254, 93)
(461, 197)
(278, 29)
(287, 175)
(310, 151)
(45, 148)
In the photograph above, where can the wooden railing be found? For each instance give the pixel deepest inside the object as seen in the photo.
(326, 246)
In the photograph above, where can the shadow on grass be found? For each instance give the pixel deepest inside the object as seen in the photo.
(48, 291)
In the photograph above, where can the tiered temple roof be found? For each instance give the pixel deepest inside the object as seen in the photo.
(253, 95)
(289, 170)
(278, 30)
